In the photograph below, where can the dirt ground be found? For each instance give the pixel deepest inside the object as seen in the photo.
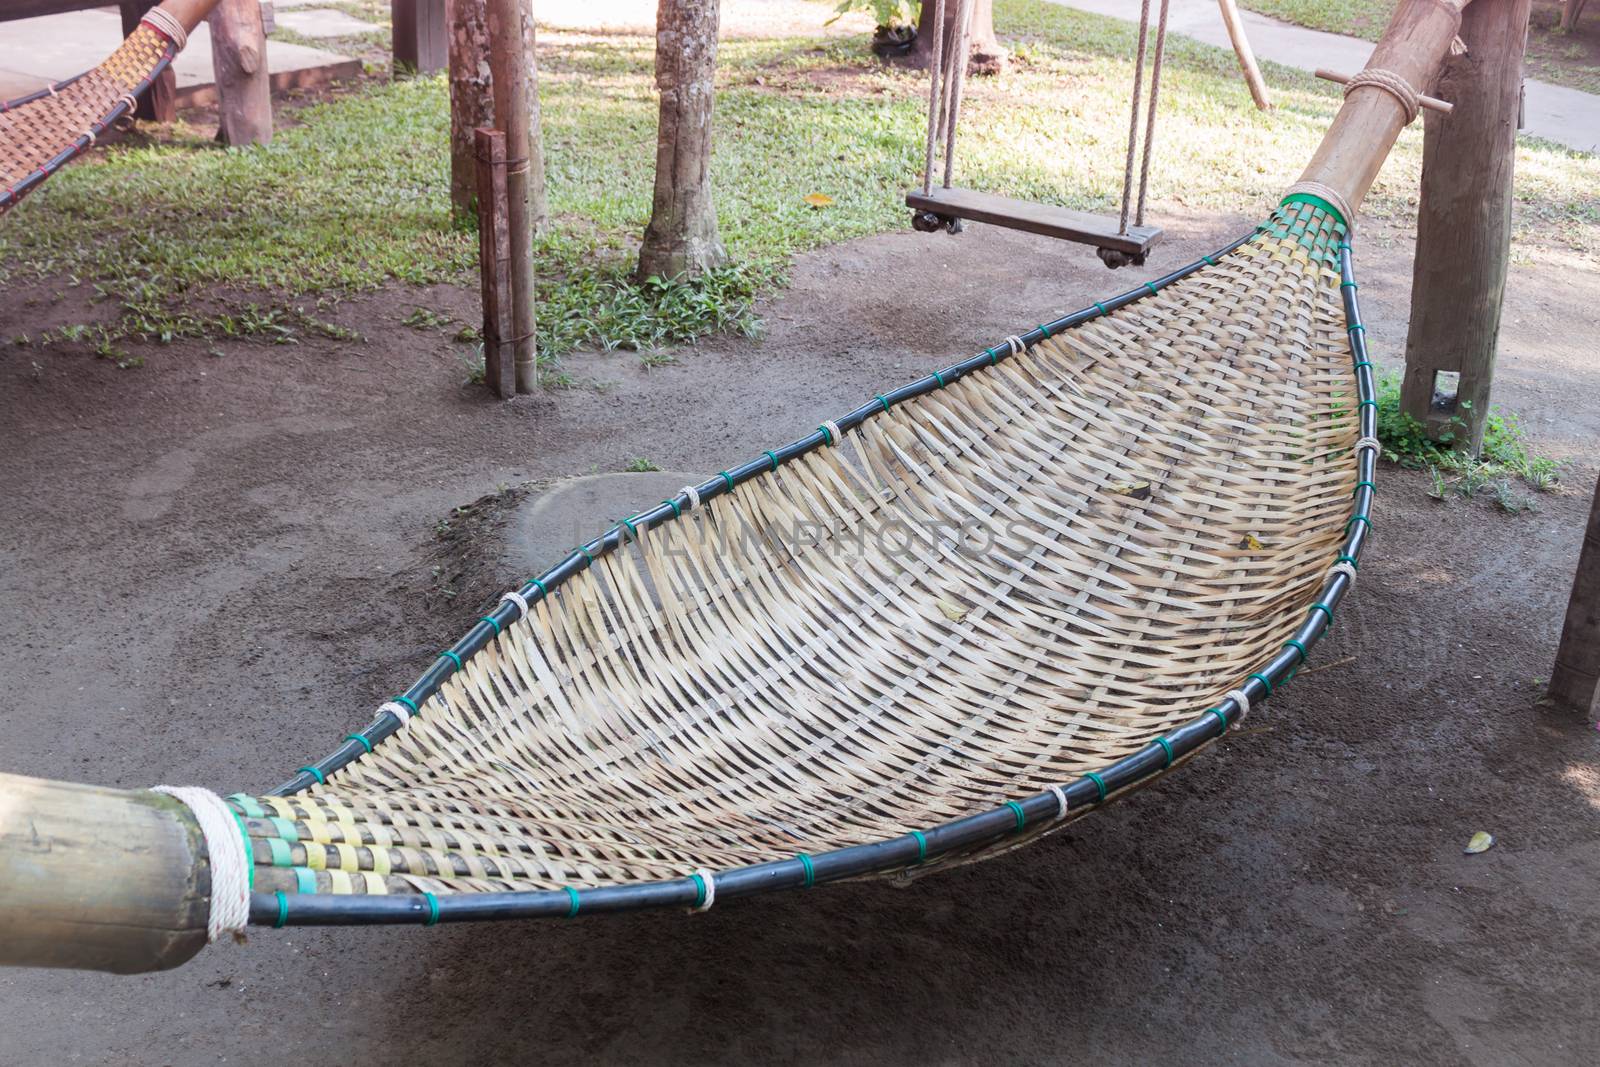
(211, 568)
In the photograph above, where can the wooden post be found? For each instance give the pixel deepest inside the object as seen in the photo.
(1247, 57)
(239, 58)
(494, 264)
(508, 73)
(420, 40)
(1576, 681)
(103, 879)
(159, 103)
(538, 206)
(471, 103)
(1464, 227)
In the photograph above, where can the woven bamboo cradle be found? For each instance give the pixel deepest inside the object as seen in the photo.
(944, 623)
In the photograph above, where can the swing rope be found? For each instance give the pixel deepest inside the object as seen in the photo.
(1150, 113)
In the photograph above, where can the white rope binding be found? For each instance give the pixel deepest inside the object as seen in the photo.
(1061, 801)
(1343, 567)
(167, 25)
(1372, 443)
(1015, 344)
(519, 600)
(711, 890)
(693, 494)
(1238, 697)
(399, 710)
(230, 864)
(830, 429)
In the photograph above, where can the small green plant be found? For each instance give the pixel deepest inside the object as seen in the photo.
(889, 14)
(423, 319)
(1504, 453)
(640, 466)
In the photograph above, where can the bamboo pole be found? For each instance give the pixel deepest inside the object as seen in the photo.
(494, 264)
(508, 73)
(1576, 681)
(1247, 57)
(103, 879)
(1356, 144)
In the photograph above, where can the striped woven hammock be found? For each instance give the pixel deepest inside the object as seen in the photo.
(944, 623)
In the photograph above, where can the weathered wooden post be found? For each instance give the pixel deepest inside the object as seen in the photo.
(418, 29)
(508, 67)
(1464, 227)
(1576, 680)
(239, 59)
(1245, 54)
(471, 102)
(494, 264)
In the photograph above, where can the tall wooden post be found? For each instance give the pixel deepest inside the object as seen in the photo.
(239, 58)
(159, 103)
(471, 102)
(508, 67)
(418, 30)
(1576, 681)
(494, 263)
(1464, 226)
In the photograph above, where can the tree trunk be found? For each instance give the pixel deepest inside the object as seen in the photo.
(471, 102)
(239, 59)
(538, 209)
(1576, 681)
(1464, 227)
(682, 235)
(984, 54)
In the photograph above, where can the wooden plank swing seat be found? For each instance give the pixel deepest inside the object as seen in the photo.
(1047, 220)
(1177, 484)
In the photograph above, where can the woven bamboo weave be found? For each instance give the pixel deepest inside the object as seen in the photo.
(1148, 505)
(41, 132)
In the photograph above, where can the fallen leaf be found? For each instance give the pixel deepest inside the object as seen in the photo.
(1480, 843)
(1252, 542)
(952, 611)
(818, 199)
(1137, 490)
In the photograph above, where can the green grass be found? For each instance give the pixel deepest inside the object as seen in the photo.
(1505, 456)
(184, 237)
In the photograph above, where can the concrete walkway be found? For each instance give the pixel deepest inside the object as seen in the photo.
(1554, 112)
(38, 52)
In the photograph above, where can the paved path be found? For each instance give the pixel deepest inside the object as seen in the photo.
(38, 52)
(1554, 112)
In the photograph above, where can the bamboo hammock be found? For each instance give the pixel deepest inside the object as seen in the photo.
(1174, 486)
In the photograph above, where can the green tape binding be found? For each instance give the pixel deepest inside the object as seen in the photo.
(1359, 484)
(452, 657)
(433, 910)
(491, 622)
(1350, 560)
(283, 910)
(249, 849)
(774, 457)
(1324, 609)
(1318, 202)
(938, 378)
(572, 895)
(1102, 308)
(699, 889)
(811, 871)
(677, 512)
(285, 828)
(882, 401)
(633, 531)
(727, 479)
(1153, 290)
(1260, 678)
(1022, 819)
(305, 880)
(363, 741)
(1166, 746)
(1298, 647)
(1355, 519)
(248, 805)
(827, 434)
(1099, 784)
(1222, 720)
(544, 593)
(408, 702)
(922, 845)
(282, 855)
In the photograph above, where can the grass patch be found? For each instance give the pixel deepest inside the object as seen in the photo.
(1505, 457)
(183, 237)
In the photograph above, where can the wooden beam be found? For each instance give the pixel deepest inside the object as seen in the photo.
(421, 45)
(1044, 219)
(1464, 228)
(508, 77)
(1576, 680)
(1246, 55)
(159, 103)
(494, 263)
(103, 879)
(239, 60)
